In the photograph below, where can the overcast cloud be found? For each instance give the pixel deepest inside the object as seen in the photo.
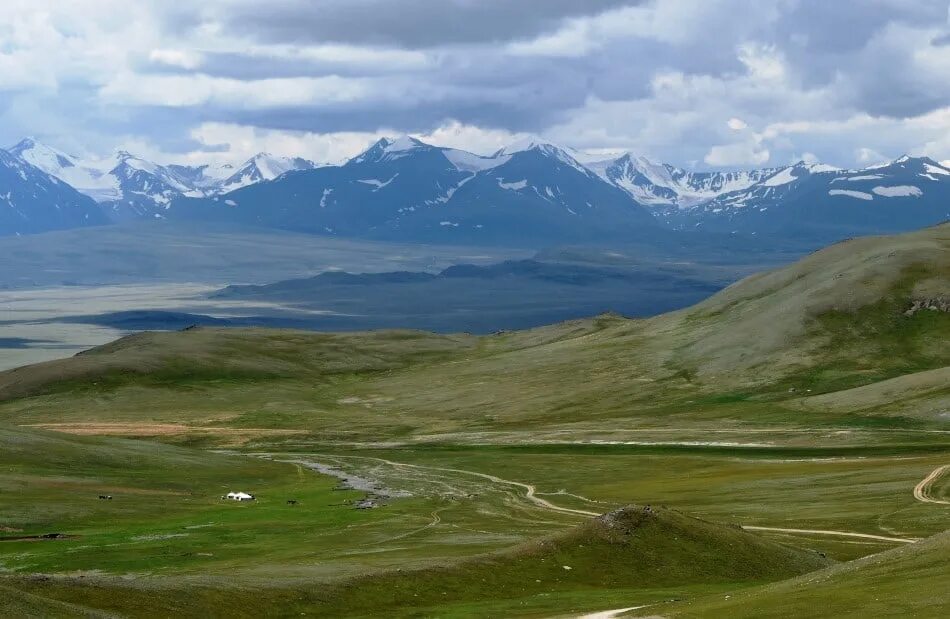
(698, 83)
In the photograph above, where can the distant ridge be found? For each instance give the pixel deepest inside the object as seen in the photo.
(531, 193)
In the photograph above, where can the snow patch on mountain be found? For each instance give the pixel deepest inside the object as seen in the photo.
(516, 186)
(469, 162)
(860, 177)
(860, 195)
(898, 191)
(376, 183)
(941, 169)
(820, 168)
(782, 178)
(402, 144)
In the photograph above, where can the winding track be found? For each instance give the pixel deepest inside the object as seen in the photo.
(530, 490)
(531, 495)
(880, 538)
(922, 490)
(612, 614)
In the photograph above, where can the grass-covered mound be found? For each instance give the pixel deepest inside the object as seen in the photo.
(630, 548)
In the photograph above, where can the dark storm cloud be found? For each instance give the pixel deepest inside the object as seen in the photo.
(852, 50)
(243, 66)
(419, 119)
(854, 41)
(406, 23)
(674, 77)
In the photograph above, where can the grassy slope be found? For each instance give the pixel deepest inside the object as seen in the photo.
(15, 603)
(904, 582)
(746, 357)
(627, 548)
(221, 358)
(630, 551)
(830, 323)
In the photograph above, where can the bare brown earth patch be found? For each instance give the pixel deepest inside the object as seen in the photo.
(37, 538)
(232, 436)
(84, 485)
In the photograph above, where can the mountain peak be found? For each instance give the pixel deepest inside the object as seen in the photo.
(47, 158)
(905, 161)
(30, 143)
(388, 149)
(529, 143)
(922, 160)
(403, 143)
(545, 149)
(24, 144)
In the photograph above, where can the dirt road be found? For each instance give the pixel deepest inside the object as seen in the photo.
(530, 490)
(880, 538)
(530, 494)
(922, 490)
(612, 614)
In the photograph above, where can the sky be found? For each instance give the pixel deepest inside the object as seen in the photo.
(696, 83)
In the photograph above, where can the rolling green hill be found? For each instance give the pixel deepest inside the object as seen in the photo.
(631, 551)
(760, 351)
(904, 582)
(808, 402)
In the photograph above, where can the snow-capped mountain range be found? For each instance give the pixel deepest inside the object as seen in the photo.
(907, 193)
(33, 201)
(407, 190)
(131, 187)
(532, 191)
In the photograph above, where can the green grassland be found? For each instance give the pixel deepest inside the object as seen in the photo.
(808, 398)
(903, 582)
(166, 515)
(633, 551)
(857, 493)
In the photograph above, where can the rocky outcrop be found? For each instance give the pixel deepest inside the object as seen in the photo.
(934, 305)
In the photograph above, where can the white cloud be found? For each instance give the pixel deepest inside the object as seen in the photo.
(233, 143)
(469, 137)
(739, 154)
(344, 55)
(761, 89)
(673, 22)
(194, 90)
(736, 124)
(763, 62)
(186, 59)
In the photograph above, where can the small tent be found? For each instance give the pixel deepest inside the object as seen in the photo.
(240, 496)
